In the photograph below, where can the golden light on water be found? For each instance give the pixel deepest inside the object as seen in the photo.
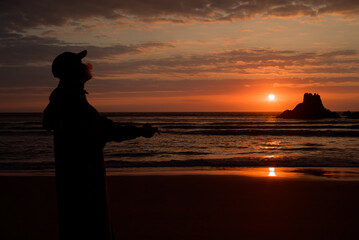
(272, 172)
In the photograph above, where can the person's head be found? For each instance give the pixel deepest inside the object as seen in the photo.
(69, 68)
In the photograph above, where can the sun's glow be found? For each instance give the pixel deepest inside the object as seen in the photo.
(271, 97)
(272, 172)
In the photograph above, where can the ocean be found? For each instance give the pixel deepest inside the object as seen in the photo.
(187, 140)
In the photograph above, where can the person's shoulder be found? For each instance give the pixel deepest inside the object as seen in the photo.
(66, 94)
(60, 95)
(56, 94)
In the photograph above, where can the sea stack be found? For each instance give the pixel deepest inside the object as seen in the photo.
(311, 108)
(350, 114)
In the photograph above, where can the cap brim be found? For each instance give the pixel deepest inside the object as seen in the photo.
(82, 54)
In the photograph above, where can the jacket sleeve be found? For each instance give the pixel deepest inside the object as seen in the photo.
(118, 133)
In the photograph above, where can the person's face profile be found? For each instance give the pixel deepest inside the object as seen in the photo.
(87, 71)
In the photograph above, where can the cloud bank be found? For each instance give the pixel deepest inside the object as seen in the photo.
(23, 14)
(19, 50)
(154, 68)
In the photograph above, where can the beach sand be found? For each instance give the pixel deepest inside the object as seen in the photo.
(194, 207)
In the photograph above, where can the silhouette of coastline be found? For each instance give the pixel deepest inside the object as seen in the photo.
(311, 108)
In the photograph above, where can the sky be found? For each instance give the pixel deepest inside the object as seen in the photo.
(184, 55)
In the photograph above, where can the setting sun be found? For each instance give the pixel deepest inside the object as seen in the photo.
(271, 97)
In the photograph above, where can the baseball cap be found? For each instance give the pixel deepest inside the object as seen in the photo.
(66, 62)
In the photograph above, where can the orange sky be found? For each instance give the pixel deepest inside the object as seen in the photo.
(198, 55)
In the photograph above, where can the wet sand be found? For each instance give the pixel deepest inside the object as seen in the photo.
(194, 207)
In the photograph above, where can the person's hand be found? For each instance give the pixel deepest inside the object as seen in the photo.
(148, 131)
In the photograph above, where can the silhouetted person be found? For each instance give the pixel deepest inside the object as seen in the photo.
(80, 134)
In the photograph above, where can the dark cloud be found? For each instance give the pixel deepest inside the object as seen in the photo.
(345, 7)
(170, 87)
(289, 10)
(25, 76)
(240, 61)
(24, 52)
(339, 53)
(25, 61)
(23, 14)
(19, 50)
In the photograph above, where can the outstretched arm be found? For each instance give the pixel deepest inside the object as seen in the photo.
(118, 133)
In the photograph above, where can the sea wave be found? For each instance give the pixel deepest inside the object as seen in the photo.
(271, 132)
(246, 161)
(196, 139)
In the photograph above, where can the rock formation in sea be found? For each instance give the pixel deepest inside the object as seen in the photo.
(311, 108)
(350, 114)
